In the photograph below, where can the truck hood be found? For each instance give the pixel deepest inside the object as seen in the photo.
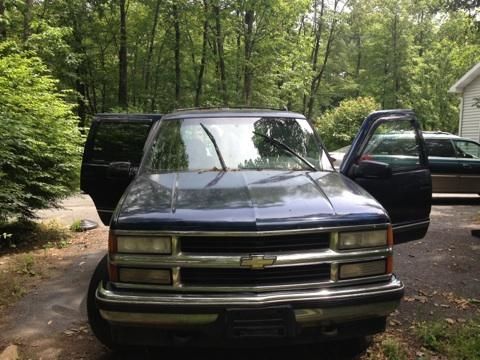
(244, 201)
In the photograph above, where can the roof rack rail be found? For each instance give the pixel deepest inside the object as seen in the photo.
(437, 132)
(285, 108)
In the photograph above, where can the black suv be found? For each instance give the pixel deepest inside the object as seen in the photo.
(231, 226)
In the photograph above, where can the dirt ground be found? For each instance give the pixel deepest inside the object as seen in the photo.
(441, 274)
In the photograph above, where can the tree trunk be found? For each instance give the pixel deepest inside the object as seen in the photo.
(82, 91)
(80, 70)
(27, 19)
(319, 76)
(318, 31)
(359, 60)
(221, 57)
(133, 83)
(103, 80)
(201, 70)
(158, 63)
(396, 79)
(3, 28)
(148, 61)
(248, 68)
(122, 59)
(385, 80)
(176, 24)
(238, 61)
(320, 70)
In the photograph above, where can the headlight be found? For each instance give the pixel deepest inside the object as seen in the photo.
(362, 239)
(369, 268)
(145, 276)
(144, 244)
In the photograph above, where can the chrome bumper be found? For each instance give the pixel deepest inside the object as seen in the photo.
(342, 304)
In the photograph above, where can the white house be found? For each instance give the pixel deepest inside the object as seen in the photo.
(468, 87)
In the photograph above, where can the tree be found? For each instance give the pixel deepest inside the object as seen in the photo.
(306, 54)
(219, 40)
(201, 70)
(178, 71)
(323, 30)
(39, 156)
(338, 126)
(3, 26)
(122, 58)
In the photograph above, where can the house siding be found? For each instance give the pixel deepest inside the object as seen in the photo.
(470, 124)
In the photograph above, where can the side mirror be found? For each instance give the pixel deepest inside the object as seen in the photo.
(120, 170)
(373, 170)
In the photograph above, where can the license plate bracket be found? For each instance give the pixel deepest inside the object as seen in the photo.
(272, 322)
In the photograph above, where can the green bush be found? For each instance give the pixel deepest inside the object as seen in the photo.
(337, 127)
(40, 144)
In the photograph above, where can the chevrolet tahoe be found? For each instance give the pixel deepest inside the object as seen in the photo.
(231, 226)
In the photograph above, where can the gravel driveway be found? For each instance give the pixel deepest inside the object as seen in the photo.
(439, 272)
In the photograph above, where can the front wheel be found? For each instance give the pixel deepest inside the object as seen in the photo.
(100, 327)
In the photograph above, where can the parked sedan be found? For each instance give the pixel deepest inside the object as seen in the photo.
(454, 161)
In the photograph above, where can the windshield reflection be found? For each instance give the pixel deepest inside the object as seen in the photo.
(186, 145)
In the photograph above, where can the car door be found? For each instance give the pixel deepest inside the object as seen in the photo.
(468, 156)
(444, 165)
(113, 151)
(388, 159)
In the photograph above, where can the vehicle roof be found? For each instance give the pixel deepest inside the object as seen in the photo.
(221, 112)
(126, 116)
(439, 135)
(426, 135)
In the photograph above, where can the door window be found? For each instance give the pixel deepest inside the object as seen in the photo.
(440, 148)
(394, 143)
(467, 149)
(119, 141)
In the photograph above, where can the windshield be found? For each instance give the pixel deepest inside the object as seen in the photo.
(228, 143)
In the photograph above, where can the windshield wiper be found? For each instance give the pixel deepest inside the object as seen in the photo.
(287, 148)
(214, 142)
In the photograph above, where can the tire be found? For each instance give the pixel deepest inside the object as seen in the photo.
(100, 327)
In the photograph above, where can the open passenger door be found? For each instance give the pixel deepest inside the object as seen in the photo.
(113, 151)
(388, 159)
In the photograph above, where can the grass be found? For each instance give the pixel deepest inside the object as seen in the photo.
(26, 265)
(458, 341)
(76, 226)
(25, 235)
(22, 261)
(393, 350)
(18, 272)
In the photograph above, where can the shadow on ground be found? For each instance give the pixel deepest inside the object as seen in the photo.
(450, 200)
(337, 350)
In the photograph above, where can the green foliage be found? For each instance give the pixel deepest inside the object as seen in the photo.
(26, 265)
(25, 234)
(393, 350)
(39, 156)
(76, 226)
(402, 53)
(338, 126)
(455, 342)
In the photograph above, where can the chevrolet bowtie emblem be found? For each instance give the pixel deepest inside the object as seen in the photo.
(257, 262)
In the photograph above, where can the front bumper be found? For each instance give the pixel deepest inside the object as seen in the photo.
(310, 307)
